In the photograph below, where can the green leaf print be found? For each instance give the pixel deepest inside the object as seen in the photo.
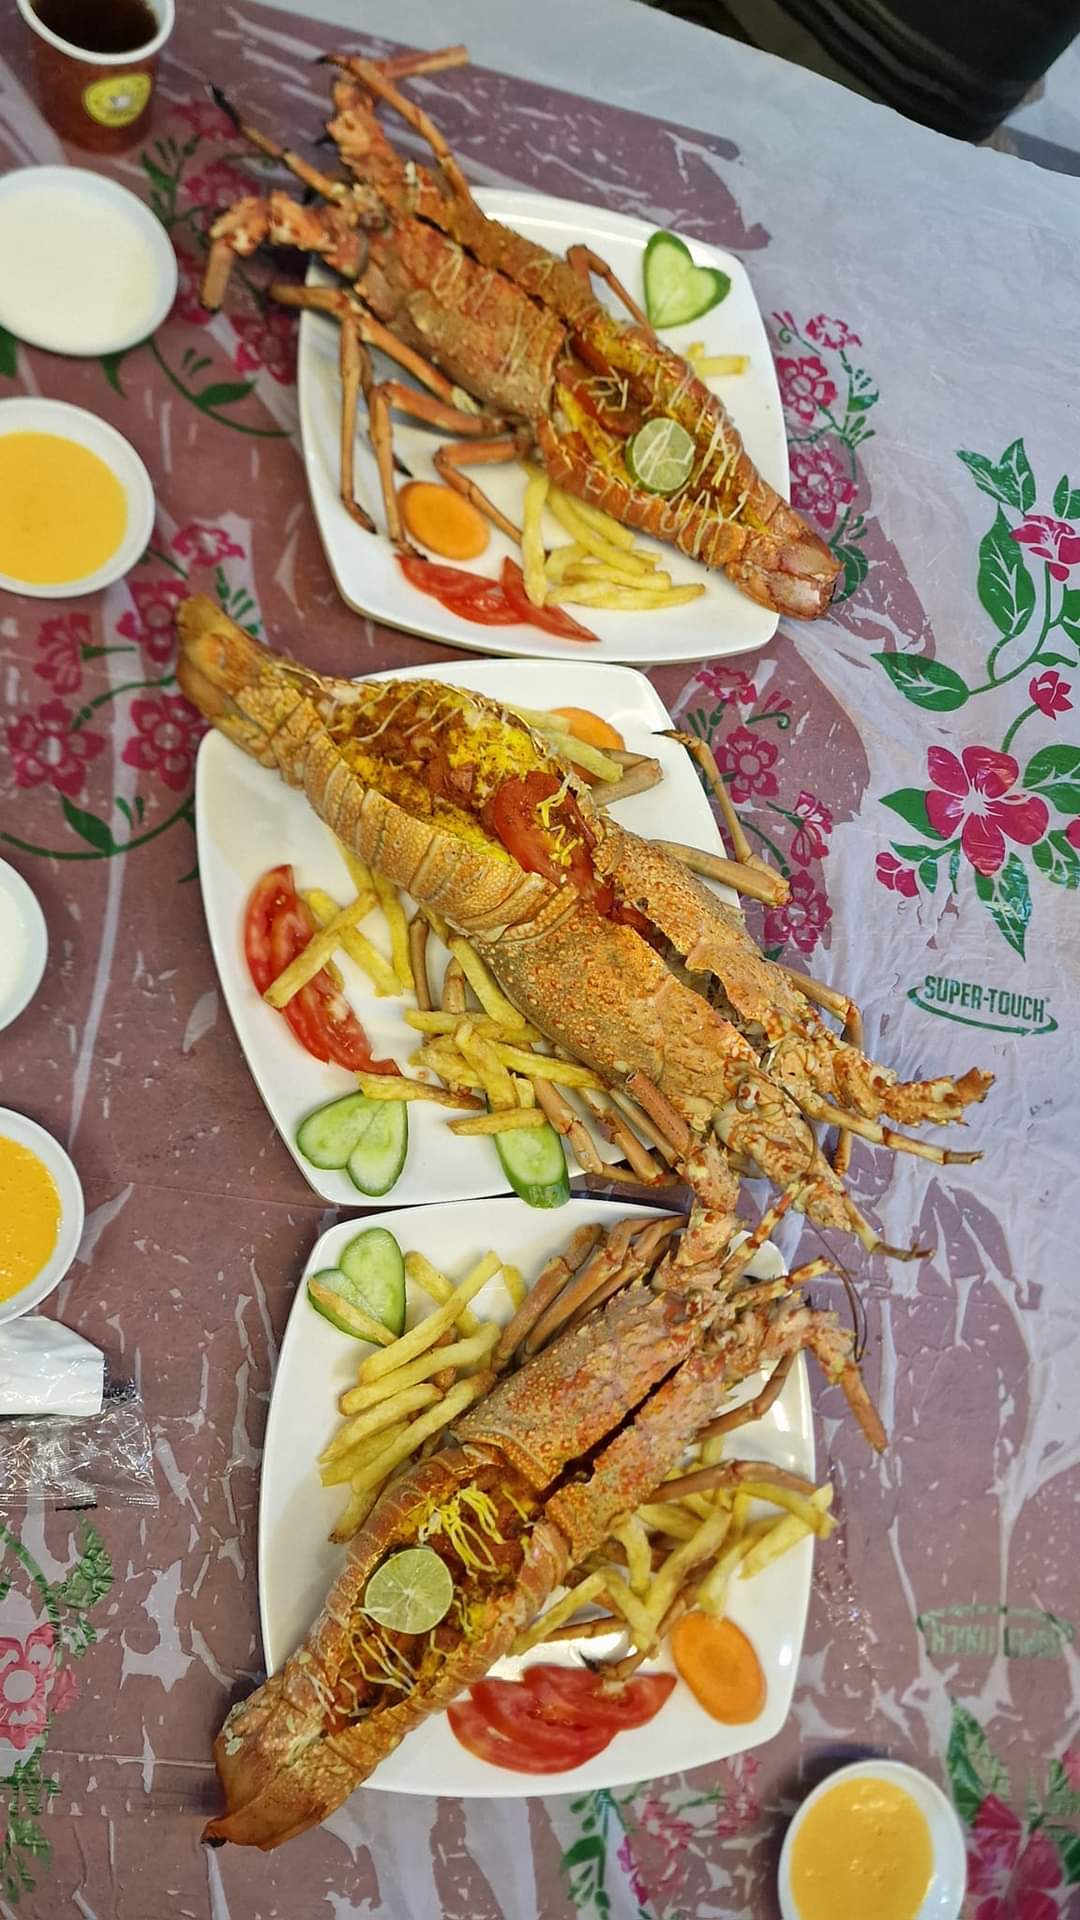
(910, 804)
(1058, 861)
(1068, 1850)
(1055, 773)
(9, 352)
(1006, 588)
(974, 1768)
(1062, 1802)
(856, 567)
(1066, 499)
(223, 393)
(1008, 896)
(926, 683)
(89, 827)
(1011, 481)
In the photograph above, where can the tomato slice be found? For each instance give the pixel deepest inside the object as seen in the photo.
(511, 815)
(534, 1746)
(548, 619)
(573, 1696)
(467, 594)
(277, 926)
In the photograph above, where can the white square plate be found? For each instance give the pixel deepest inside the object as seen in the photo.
(297, 1562)
(248, 820)
(723, 621)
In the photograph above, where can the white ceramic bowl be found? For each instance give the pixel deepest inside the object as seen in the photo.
(29, 415)
(16, 1126)
(945, 1894)
(46, 297)
(17, 899)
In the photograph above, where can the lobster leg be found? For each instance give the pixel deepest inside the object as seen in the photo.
(382, 400)
(374, 79)
(355, 364)
(480, 453)
(338, 303)
(585, 262)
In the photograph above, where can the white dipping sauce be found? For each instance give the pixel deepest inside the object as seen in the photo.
(23, 944)
(86, 267)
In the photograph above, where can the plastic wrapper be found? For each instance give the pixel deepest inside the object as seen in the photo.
(95, 1460)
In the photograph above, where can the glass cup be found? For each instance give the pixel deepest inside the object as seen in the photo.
(99, 101)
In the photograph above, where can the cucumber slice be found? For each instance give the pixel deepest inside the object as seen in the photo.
(535, 1165)
(329, 1293)
(675, 289)
(375, 1272)
(379, 1154)
(328, 1136)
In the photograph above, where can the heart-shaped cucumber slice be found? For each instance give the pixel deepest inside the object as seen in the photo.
(675, 289)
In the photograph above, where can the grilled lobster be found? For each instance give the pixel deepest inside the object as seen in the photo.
(604, 941)
(504, 335)
(537, 1476)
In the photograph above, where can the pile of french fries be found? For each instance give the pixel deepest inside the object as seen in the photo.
(600, 565)
(710, 1521)
(478, 1054)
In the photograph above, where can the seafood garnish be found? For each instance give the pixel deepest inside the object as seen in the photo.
(515, 353)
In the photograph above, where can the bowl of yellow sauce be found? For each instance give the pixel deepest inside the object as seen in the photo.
(875, 1841)
(76, 503)
(41, 1214)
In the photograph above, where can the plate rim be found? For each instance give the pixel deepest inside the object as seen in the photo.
(539, 646)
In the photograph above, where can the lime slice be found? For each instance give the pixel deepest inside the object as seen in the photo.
(410, 1592)
(660, 457)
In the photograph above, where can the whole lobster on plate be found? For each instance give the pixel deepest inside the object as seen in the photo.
(514, 349)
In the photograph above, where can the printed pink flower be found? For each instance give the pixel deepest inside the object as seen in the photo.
(150, 622)
(831, 333)
(30, 1687)
(1050, 693)
(625, 1858)
(968, 797)
(205, 119)
(1027, 1894)
(187, 305)
(993, 1845)
(168, 733)
(1070, 1759)
(819, 484)
(267, 340)
(674, 1835)
(219, 184)
(728, 685)
(805, 386)
(741, 1807)
(60, 643)
(812, 838)
(747, 758)
(44, 747)
(205, 545)
(1072, 835)
(802, 920)
(893, 874)
(1054, 541)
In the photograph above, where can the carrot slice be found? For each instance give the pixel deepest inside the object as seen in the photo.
(442, 520)
(720, 1667)
(589, 727)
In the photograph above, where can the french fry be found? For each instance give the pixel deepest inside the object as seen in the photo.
(363, 1325)
(541, 1066)
(394, 1086)
(448, 1063)
(373, 1419)
(596, 572)
(784, 1534)
(515, 1286)
(532, 537)
(711, 366)
(392, 908)
(664, 1517)
(453, 988)
(634, 1540)
(497, 1083)
(356, 944)
(336, 1472)
(490, 995)
(353, 1515)
(418, 939)
(319, 948)
(585, 535)
(601, 522)
(359, 872)
(810, 1509)
(626, 599)
(438, 1288)
(583, 1595)
(506, 1120)
(562, 557)
(438, 1022)
(427, 1332)
(460, 1353)
(702, 1544)
(422, 1429)
(637, 1616)
(525, 1091)
(711, 1595)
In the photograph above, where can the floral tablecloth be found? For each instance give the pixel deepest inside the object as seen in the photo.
(910, 763)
